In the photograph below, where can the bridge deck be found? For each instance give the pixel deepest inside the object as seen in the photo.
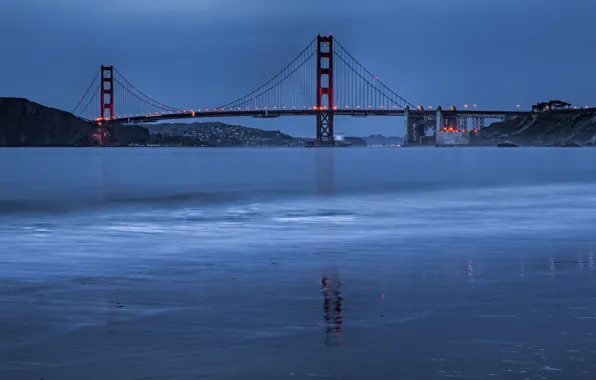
(309, 112)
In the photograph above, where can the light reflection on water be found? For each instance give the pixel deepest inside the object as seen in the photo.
(477, 282)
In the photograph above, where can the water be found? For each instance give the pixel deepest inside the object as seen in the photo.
(207, 263)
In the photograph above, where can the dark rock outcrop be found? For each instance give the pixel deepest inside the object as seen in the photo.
(566, 144)
(507, 144)
(563, 128)
(25, 123)
(125, 134)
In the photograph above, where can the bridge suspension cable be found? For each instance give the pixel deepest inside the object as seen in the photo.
(129, 95)
(356, 87)
(295, 86)
(127, 100)
(88, 106)
(323, 77)
(288, 89)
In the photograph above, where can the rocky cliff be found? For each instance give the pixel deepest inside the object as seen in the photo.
(550, 128)
(25, 123)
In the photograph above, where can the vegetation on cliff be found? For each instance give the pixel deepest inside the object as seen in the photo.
(551, 105)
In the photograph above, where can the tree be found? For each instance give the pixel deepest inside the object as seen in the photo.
(551, 105)
(539, 107)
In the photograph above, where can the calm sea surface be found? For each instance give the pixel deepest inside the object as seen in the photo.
(207, 263)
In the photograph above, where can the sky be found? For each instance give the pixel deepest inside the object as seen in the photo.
(202, 53)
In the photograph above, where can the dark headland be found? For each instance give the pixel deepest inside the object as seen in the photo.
(25, 123)
(574, 127)
(29, 124)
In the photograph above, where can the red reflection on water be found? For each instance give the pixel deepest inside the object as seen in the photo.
(332, 307)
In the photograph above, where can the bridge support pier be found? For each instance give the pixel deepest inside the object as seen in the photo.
(325, 88)
(407, 125)
(439, 124)
(478, 122)
(462, 122)
(416, 124)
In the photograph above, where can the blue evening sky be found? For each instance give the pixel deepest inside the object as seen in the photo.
(201, 53)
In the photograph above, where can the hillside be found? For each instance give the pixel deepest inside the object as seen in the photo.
(380, 140)
(218, 134)
(355, 141)
(25, 123)
(551, 128)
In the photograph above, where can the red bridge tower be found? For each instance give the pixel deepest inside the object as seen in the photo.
(325, 87)
(107, 97)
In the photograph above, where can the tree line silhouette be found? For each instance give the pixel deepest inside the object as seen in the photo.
(552, 105)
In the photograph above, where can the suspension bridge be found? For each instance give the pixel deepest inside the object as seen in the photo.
(324, 81)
